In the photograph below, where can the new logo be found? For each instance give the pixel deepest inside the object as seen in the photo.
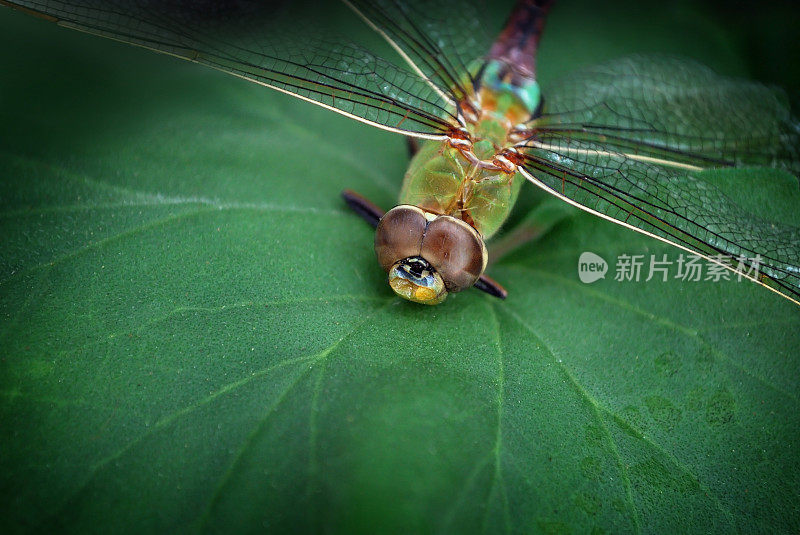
(591, 267)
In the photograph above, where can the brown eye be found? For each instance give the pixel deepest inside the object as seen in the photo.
(455, 250)
(427, 256)
(398, 240)
(399, 235)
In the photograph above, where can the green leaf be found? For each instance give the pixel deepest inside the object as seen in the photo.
(196, 336)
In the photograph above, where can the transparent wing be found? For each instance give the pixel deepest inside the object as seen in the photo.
(670, 204)
(439, 39)
(255, 41)
(673, 109)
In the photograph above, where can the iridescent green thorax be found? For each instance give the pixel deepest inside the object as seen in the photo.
(517, 101)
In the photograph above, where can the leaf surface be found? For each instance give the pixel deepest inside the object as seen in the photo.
(196, 336)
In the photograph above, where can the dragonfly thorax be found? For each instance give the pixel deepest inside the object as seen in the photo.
(509, 96)
(495, 124)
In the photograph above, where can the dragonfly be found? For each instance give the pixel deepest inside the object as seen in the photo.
(625, 140)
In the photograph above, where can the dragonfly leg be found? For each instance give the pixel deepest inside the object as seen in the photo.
(413, 146)
(372, 213)
(369, 212)
(490, 286)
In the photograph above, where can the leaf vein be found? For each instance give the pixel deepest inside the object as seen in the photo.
(595, 406)
(321, 356)
(686, 331)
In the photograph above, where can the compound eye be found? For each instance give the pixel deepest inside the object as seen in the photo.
(414, 279)
(399, 235)
(455, 250)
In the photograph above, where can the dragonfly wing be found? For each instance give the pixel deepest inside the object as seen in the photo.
(439, 40)
(670, 204)
(250, 40)
(674, 110)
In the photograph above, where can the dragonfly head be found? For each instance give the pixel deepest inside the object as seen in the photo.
(426, 255)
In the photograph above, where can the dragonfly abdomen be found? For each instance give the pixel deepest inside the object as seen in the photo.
(517, 44)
